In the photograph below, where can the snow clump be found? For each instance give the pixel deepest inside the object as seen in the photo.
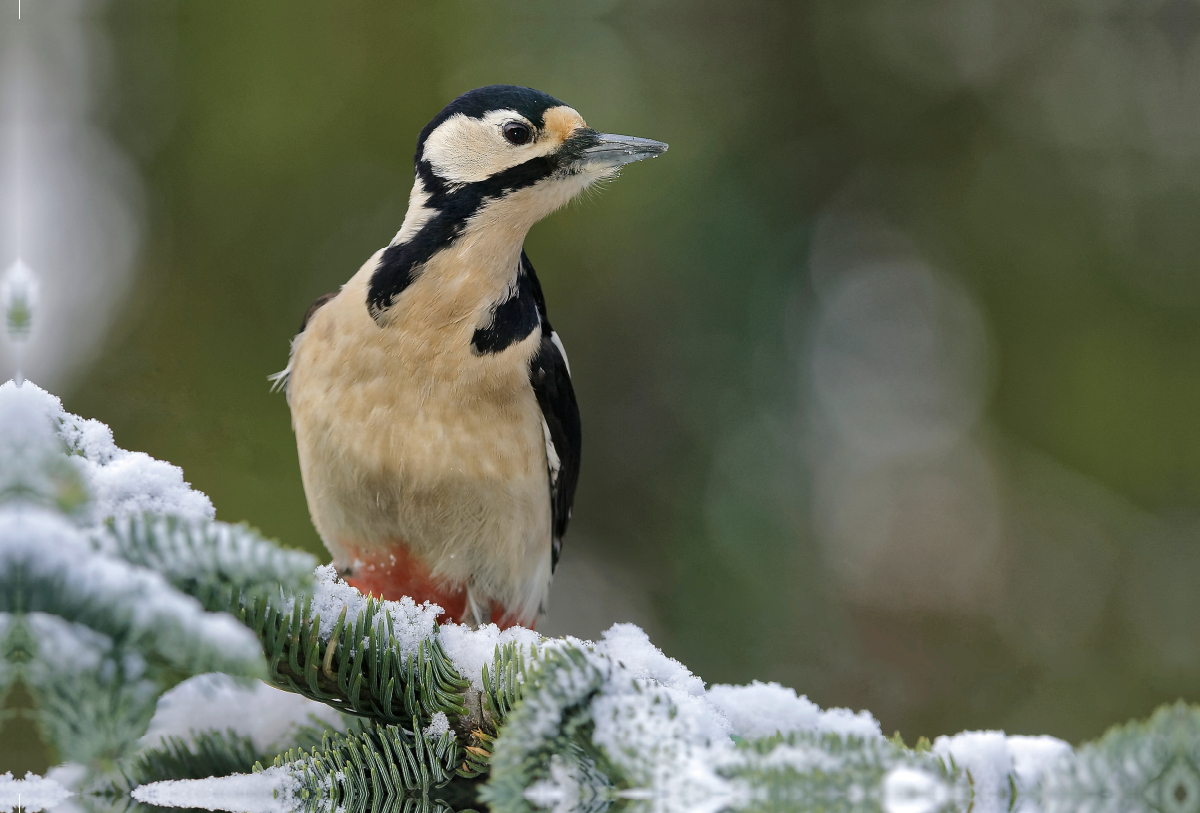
(412, 623)
(762, 709)
(119, 483)
(913, 790)
(32, 794)
(439, 725)
(49, 548)
(630, 647)
(270, 717)
(991, 757)
(471, 650)
(270, 791)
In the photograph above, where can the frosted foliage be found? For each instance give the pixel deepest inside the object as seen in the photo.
(119, 483)
(438, 725)
(122, 483)
(412, 623)
(134, 483)
(34, 792)
(66, 646)
(570, 686)
(561, 792)
(991, 758)
(630, 646)
(49, 547)
(912, 790)
(634, 724)
(269, 791)
(27, 441)
(668, 737)
(668, 741)
(470, 650)
(984, 753)
(763, 709)
(111, 632)
(207, 551)
(802, 758)
(269, 716)
(1031, 756)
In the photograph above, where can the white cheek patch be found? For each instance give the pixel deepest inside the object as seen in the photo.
(466, 150)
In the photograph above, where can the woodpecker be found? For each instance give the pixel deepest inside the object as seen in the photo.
(437, 428)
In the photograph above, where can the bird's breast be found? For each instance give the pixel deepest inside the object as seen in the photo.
(409, 436)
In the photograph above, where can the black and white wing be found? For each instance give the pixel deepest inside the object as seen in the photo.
(550, 376)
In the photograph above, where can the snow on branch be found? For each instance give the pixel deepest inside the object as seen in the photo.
(32, 794)
(116, 582)
(90, 625)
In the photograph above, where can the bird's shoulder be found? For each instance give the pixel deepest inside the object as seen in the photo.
(282, 379)
(322, 300)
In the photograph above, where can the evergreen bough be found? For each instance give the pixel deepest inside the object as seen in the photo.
(560, 724)
(356, 670)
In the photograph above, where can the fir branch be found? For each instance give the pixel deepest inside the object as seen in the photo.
(95, 694)
(503, 683)
(830, 773)
(551, 729)
(503, 689)
(93, 718)
(358, 669)
(214, 562)
(207, 753)
(374, 767)
(1141, 765)
(161, 639)
(377, 766)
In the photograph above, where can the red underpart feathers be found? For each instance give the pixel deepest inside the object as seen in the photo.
(399, 574)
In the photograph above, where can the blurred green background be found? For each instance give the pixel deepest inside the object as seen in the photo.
(888, 369)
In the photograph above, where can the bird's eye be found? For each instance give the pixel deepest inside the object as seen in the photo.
(516, 133)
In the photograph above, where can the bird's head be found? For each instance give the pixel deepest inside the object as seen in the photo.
(495, 161)
(502, 141)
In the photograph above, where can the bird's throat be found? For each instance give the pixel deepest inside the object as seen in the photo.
(481, 250)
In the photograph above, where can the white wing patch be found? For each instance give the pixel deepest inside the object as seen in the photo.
(562, 351)
(553, 462)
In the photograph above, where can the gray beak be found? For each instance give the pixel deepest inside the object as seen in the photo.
(617, 150)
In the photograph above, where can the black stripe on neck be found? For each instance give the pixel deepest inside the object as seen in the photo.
(514, 318)
(454, 205)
